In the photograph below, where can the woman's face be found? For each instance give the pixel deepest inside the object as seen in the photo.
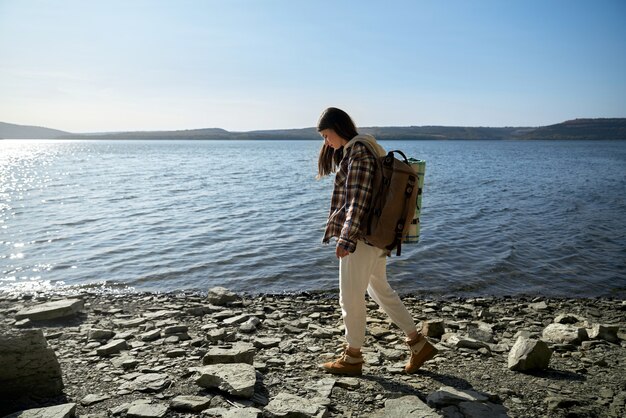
(332, 139)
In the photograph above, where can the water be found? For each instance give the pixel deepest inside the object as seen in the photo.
(499, 217)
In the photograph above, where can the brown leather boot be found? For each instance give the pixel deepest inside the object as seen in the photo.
(345, 365)
(421, 351)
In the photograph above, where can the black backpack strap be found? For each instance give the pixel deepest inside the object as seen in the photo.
(406, 160)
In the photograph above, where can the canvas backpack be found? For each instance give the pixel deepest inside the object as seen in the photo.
(394, 198)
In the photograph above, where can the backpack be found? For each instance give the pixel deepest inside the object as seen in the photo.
(394, 199)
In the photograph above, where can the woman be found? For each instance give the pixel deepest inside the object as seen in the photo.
(361, 266)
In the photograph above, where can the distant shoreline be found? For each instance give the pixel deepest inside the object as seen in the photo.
(577, 129)
(307, 139)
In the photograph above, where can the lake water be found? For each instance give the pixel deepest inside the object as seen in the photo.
(499, 217)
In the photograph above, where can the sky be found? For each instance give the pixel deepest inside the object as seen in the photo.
(122, 65)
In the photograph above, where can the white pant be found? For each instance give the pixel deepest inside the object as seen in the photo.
(366, 269)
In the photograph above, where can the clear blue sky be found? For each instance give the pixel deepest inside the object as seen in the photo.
(86, 66)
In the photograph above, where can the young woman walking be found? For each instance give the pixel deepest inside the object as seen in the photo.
(362, 267)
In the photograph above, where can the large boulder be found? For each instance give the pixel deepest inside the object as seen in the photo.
(65, 410)
(51, 310)
(27, 365)
(529, 354)
(220, 296)
(564, 334)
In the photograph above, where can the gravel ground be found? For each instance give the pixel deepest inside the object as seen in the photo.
(582, 380)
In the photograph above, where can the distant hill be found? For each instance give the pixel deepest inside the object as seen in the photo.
(443, 132)
(574, 129)
(581, 129)
(11, 131)
(208, 133)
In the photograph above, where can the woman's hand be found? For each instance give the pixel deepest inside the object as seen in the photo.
(341, 252)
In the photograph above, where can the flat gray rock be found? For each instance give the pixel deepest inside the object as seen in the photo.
(148, 382)
(323, 386)
(151, 335)
(379, 332)
(100, 334)
(236, 320)
(459, 341)
(93, 398)
(145, 410)
(65, 410)
(190, 403)
(237, 379)
(266, 342)
(237, 353)
(288, 405)
(323, 333)
(482, 410)
(175, 329)
(242, 413)
(52, 310)
(350, 383)
(124, 361)
(539, 306)
(447, 395)
(162, 314)
(113, 347)
(407, 407)
(130, 323)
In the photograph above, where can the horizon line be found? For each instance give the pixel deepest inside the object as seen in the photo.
(304, 128)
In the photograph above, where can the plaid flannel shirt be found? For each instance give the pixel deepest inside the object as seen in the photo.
(352, 196)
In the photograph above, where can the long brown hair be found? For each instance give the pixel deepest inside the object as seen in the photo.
(340, 122)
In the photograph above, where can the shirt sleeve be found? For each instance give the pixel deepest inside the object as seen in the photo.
(359, 180)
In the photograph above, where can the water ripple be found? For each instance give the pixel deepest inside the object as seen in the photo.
(499, 217)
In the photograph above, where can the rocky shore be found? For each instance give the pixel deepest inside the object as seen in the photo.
(228, 355)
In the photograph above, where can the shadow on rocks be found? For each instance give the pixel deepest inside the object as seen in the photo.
(9, 406)
(69, 321)
(447, 380)
(554, 374)
(393, 386)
